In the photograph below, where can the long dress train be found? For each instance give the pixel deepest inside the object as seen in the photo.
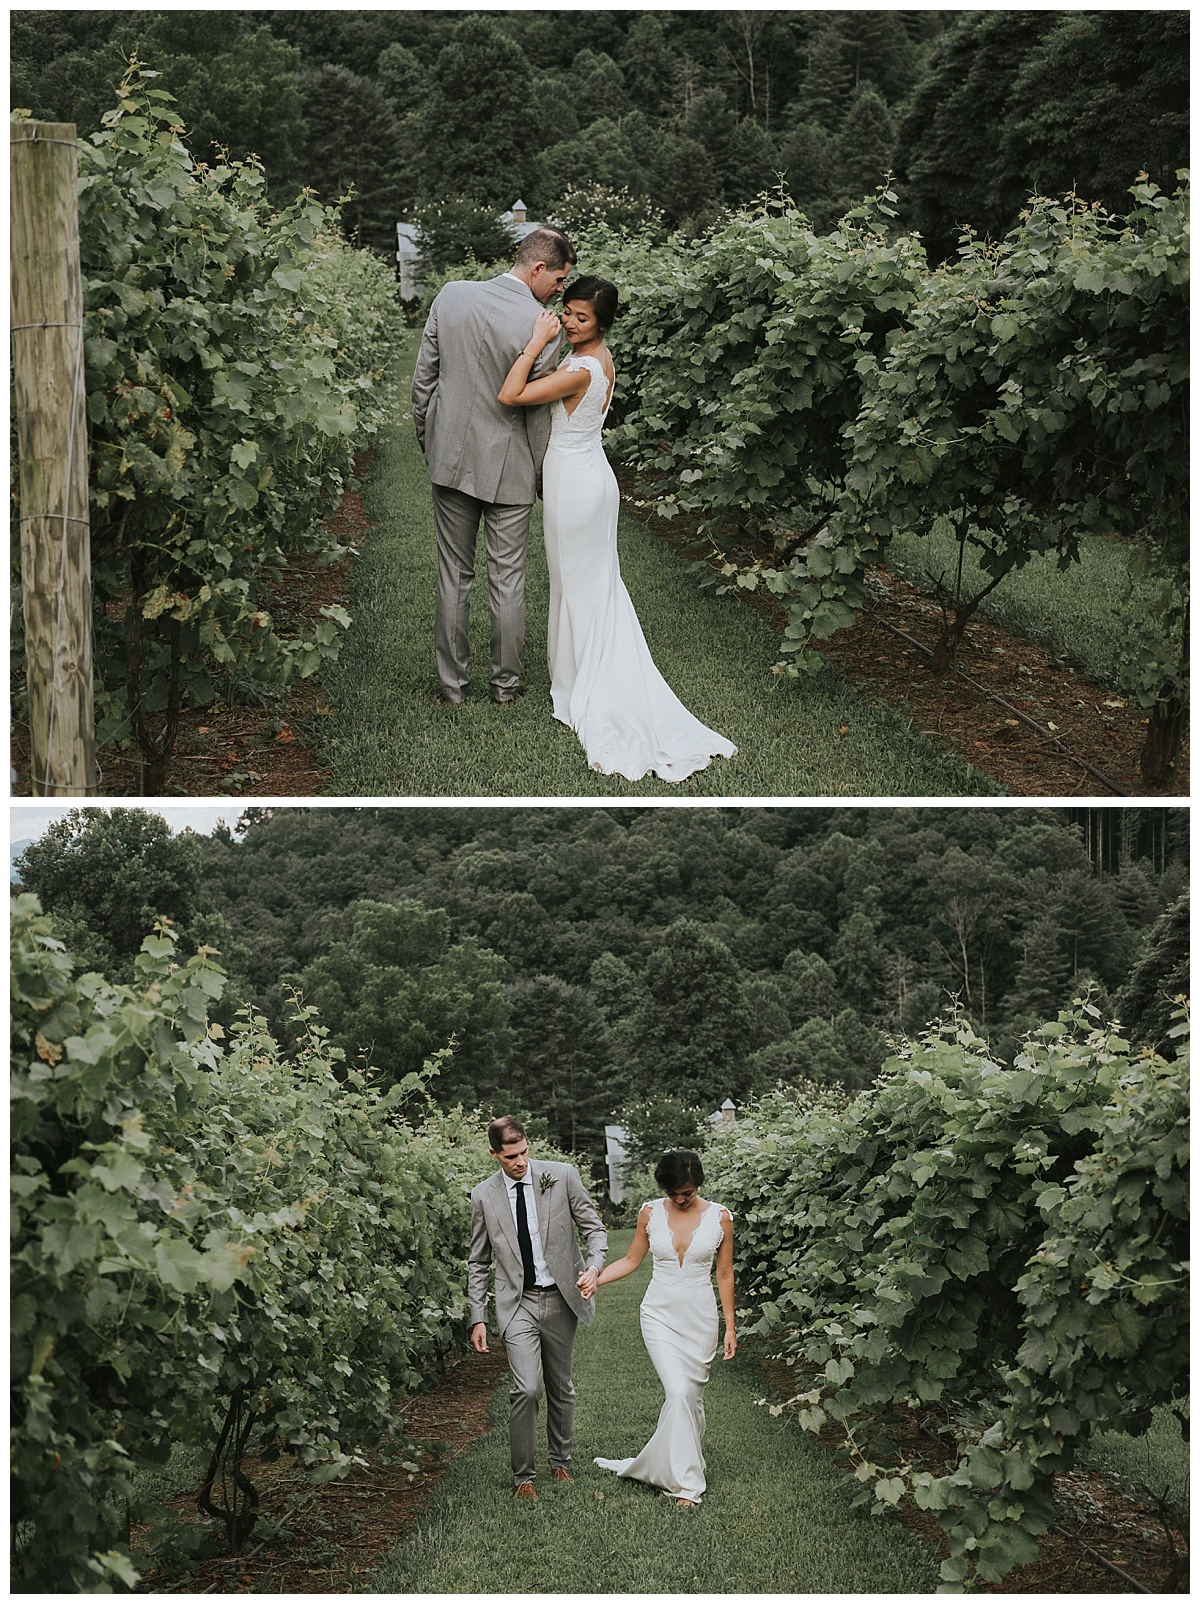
(603, 681)
(679, 1328)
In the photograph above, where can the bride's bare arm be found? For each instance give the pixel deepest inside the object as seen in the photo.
(637, 1251)
(518, 391)
(725, 1285)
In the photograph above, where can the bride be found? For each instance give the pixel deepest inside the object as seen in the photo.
(603, 680)
(685, 1233)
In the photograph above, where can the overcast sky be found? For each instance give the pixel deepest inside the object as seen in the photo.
(28, 820)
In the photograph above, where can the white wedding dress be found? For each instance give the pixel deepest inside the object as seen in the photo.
(680, 1329)
(603, 680)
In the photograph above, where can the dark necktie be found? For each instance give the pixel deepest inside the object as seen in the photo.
(524, 1240)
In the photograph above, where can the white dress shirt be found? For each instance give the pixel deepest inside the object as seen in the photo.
(541, 1274)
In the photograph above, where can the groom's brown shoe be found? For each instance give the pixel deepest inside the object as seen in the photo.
(525, 1489)
(561, 1473)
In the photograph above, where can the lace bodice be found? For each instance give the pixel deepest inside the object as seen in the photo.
(701, 1250)
(583, 425)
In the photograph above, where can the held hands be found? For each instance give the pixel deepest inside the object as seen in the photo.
(587, 1282)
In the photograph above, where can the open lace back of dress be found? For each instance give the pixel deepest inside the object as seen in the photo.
(571, 403)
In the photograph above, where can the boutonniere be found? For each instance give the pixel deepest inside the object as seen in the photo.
(546, 1181)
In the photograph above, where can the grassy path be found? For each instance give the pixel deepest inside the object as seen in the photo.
(389, 737)
(777, 1517)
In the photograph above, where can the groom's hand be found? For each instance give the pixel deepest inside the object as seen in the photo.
(479, 1338)
(587, 1283)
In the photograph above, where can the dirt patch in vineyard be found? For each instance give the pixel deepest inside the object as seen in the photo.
(1102, 1540)
(330, 1539)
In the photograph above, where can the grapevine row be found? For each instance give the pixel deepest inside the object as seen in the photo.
(237, 355)
(808, 396)
(207, 1241)
(997, 1252)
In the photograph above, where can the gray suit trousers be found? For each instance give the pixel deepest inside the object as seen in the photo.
(540, 1341)
(456, 519)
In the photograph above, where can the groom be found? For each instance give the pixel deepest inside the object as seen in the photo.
(484, 459)
(523, 1220)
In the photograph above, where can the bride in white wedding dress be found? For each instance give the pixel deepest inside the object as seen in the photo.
(603, 680)
(685, 1234)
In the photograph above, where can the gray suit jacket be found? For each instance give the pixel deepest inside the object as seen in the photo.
(474, 334)
(562, 1205)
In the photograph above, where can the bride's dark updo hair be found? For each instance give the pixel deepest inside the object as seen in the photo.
(677, 1168)
(600, 295)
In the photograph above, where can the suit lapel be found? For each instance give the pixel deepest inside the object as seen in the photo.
(504, 1214)
(541, 1200)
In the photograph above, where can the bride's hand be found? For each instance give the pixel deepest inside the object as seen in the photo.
(730, 1344)
(546, 327)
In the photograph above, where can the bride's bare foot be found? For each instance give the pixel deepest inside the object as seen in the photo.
(687, 1503)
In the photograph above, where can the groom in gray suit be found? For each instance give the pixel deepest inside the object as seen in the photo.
(484, 459)
(523, 1221)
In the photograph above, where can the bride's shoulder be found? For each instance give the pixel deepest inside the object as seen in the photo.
(592, 364)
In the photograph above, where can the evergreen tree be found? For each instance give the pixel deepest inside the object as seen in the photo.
(1102, 96)
(1042, 974)
(865, 144)
(596, 87)
(403, 78)
(559, 1068)
(646, 65)
(947, 145)
(808, 159)
(827, 82)
(861, 1049)
(881, 52)
(812, 987)
(472, 131)
(750, 164)
(1146, 1003)
(351, 149)
(690, 1033)
(857, 960)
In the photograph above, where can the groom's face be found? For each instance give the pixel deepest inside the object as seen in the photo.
(546, 282)
(513, 1158)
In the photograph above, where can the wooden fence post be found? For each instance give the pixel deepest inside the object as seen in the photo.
(56, 575)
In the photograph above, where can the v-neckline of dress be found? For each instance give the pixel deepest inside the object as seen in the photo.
(667, 1218)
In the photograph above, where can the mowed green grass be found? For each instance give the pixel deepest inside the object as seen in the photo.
(777, 1517)
(388, 736)
(1079, 613)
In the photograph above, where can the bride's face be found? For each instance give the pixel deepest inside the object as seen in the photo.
(579, 323)
(685, 1197)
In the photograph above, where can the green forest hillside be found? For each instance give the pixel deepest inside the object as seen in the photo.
(585, 961)
(690, 111)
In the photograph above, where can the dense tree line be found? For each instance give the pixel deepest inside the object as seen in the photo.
(688, 111)
(581, 960)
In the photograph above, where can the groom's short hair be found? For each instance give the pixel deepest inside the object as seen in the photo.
(506, 1128)
(549, 246)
